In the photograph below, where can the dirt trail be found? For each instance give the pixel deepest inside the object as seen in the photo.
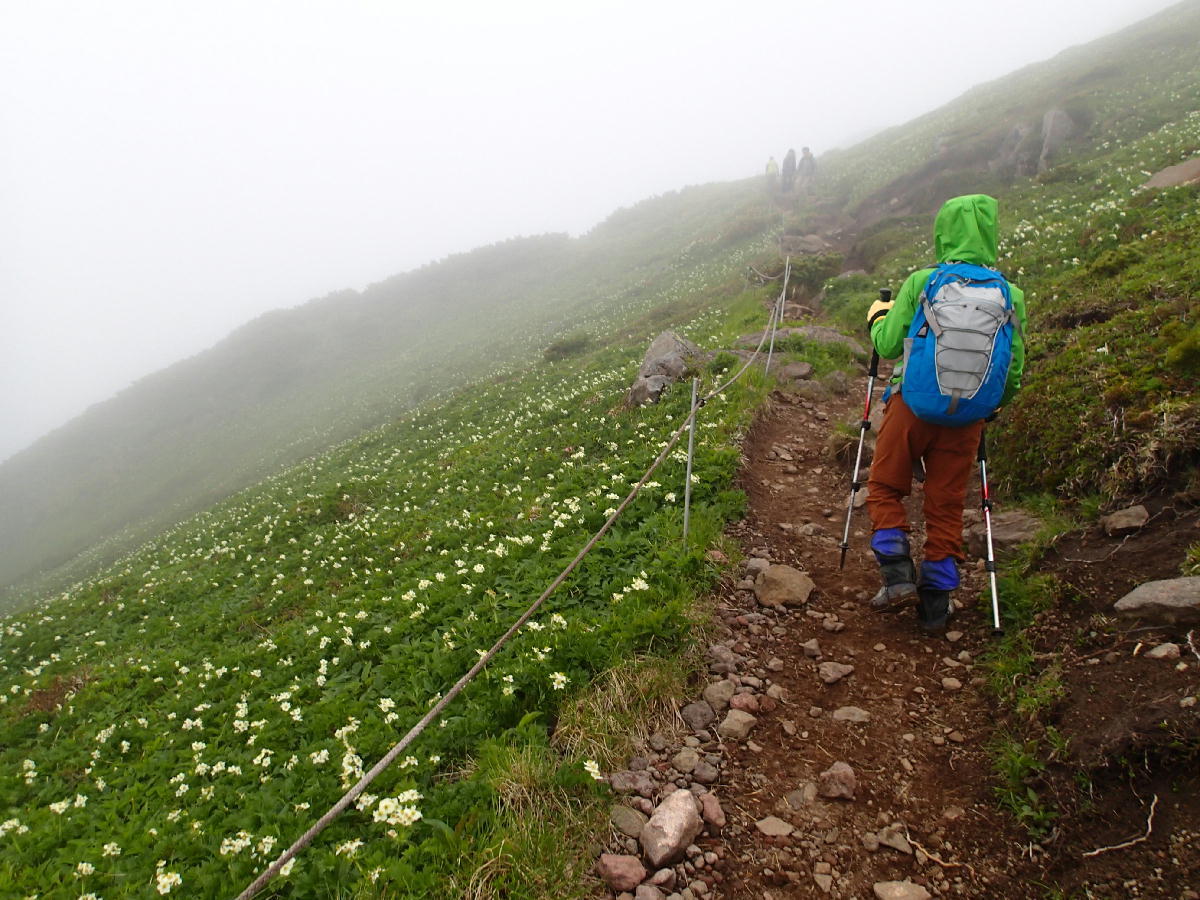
(919, 760)
(913, 719)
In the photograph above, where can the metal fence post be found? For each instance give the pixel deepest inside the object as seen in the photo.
(687, 484)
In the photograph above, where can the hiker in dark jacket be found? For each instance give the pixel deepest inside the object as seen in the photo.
(806, 171)
(789, 171)
(964, 231)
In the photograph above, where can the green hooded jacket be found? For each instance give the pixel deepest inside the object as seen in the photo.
(964, 231)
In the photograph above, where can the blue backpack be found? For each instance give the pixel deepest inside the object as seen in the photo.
(959, 345)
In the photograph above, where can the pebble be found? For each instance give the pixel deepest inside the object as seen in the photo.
(773, 826)
(879, 648)
(838, 782)
(1164, 651)
(951, 684)
(954, 636)
(811, 649)
(851, 714)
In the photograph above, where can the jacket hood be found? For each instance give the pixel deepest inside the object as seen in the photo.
(965, 230)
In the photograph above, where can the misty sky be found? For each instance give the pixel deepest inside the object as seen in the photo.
(168, 171)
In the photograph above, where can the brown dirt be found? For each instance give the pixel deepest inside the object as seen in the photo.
(923, 759)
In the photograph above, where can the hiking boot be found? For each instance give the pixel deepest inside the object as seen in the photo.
(899, 590)
(934, 609)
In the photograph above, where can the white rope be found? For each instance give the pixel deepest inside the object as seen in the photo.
(351, 795)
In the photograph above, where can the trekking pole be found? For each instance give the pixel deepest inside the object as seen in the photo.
(885, 295)
(986, 506)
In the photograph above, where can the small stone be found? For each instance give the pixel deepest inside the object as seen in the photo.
(711, 812)
(811, 649)
(879, 648)
(954, 636)
(775, 664)
(658, 742)
(1164, 651)
(664, 878)
(893, 836)
(838, 782)
(772, 826)
(1187, 702)
(698, 715)
(952, 813)
(621, 873)
(705, 773)
(685, 760)
(737, 725)
(673, 826)
(1125, 521)
(627, 821)
(956, 736)
(951, 684)
(870, 842)
(851, 714)
(777, 692)
(718, 693)
(815, 712)
(648, 892)
(824, 882)
(633, 783)
(899, 890)
(745, 702)
(833, 672)
(781, 586)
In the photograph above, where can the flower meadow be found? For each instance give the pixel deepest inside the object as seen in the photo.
(169, 726)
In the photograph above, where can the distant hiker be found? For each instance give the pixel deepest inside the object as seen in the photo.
(806, 171)
(966, 316)
(772, 176)
(789, 171)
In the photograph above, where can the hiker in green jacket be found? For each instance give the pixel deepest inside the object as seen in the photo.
(964, 231)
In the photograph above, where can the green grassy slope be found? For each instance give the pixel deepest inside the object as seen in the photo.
(293, 382)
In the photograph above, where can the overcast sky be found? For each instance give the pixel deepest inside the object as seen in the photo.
(169, 171)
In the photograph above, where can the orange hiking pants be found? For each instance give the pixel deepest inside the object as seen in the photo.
(948, 453)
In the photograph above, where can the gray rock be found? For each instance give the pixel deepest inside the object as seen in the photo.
(833, 672)
(737, 725)
(1057, 128)
(951, 684)
(698, 715)
(719, 693)
(1125, 521)
(811, 649)
(1174, 176)
(899, 890)
(648, 892)
(1009, 529)
(824, 881)
(796, 371)
(783, 586)
(756, 566)
(893, 836)
(685, 760)
(664, 878)
(669, 355)
(773, 826)
(851, 714)
(633, 783)
(1174, 601)
(627, 821)
(838, 782)
(673, 826)
(647, 390)
(621, 873)
(705, 773)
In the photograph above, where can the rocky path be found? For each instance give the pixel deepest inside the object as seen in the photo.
(835, 752)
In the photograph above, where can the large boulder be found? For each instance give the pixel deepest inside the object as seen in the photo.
(667, 359)
(1057, 128)
(673, 826)
(1175, 601)
(668, 354)
(1008, 530)
(1174, 176)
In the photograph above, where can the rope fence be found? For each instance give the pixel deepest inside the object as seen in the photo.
(689, 422)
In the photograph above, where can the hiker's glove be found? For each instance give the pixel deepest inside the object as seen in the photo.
(878, 310)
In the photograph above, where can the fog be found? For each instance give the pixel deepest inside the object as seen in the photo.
(168, 172)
